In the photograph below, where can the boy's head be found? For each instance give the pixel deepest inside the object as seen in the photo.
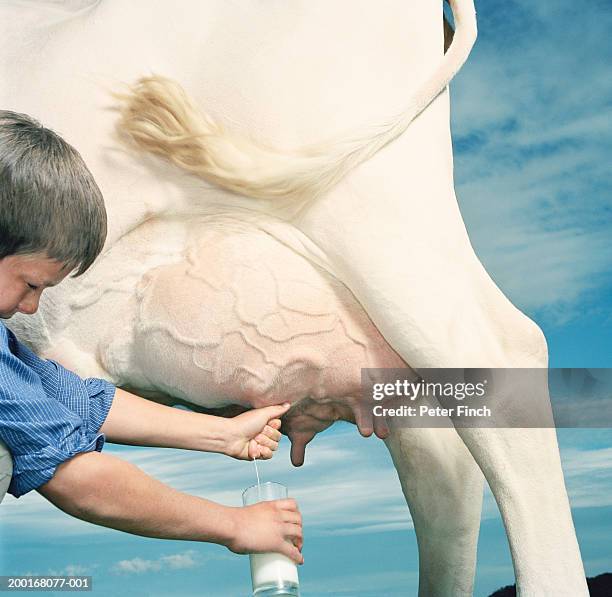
(52, 215)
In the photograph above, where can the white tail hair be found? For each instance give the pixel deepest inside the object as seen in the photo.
(159, 117)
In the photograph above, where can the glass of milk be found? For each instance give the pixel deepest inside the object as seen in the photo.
(273, 574)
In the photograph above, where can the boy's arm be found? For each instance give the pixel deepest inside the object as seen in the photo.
(136, 421)
(110, 492)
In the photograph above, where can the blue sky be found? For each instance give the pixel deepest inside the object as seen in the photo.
(531, 115)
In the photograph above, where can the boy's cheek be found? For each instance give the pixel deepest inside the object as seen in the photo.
(9, 303)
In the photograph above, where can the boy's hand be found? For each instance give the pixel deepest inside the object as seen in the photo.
(255, 433)
(268, 527)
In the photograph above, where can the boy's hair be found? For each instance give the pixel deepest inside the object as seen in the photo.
(49, 200)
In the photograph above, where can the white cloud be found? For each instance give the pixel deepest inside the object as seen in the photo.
(137, 566)
(588, 475)
(71, 570)
(179, 561)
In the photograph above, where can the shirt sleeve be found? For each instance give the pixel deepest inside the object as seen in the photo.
(47, 414)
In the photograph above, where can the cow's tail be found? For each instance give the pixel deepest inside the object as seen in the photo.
(159, 117)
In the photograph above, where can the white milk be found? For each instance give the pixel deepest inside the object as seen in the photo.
(272, 569)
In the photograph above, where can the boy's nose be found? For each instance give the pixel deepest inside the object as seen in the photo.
(29, 306)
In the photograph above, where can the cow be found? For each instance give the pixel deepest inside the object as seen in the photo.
(289, 219)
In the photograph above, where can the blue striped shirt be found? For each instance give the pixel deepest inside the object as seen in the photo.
(47, 413)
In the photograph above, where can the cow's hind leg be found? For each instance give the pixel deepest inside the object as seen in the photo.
(443, 487)
(402, 249)
(521, 465)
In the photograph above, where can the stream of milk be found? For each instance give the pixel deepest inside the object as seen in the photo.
(258, 481)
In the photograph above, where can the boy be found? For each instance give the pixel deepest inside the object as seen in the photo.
(53, 222)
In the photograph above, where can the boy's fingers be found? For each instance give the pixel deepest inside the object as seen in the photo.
(272, 433)
(254, 450)
(265, 453)
(263, 440)
(287, 504)
(274, 423)
(292, 552)
(292, 516)
(294, 531)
